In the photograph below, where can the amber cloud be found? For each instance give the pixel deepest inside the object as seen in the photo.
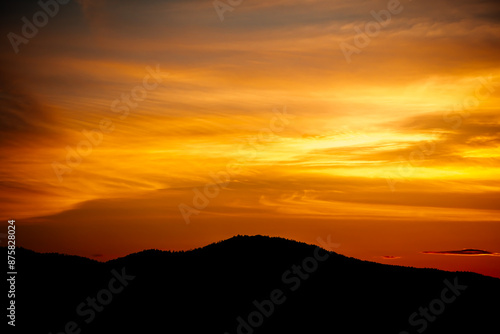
(393, 152)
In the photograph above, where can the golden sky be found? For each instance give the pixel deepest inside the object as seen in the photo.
(128, 125)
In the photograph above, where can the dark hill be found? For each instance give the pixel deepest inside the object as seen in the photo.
(213, 290)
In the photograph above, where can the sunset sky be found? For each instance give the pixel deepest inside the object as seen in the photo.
(129, 125)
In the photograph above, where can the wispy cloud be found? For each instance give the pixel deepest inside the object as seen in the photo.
(352, 122)
(464, 252)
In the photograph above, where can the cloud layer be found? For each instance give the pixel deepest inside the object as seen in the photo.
(405, 136)
(463, 252)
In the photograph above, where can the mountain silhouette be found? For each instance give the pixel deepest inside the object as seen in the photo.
(247, 284)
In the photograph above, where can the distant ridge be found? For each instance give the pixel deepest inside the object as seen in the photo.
(247, 284)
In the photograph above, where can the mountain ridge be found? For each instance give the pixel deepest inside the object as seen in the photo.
(219, 287)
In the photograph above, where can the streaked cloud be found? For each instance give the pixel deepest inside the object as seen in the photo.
(354, 124)
(463, 252)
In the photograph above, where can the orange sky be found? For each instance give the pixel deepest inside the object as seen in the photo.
(392, 150)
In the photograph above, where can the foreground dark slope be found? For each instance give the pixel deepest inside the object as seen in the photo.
(207, 289)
